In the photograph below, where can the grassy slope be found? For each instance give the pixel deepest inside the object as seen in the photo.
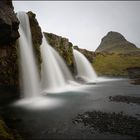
(121, 48)
(115, 64)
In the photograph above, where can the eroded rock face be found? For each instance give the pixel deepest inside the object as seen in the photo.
(8, 48)
(9, 74)
(8, 23)
(8, 66)
(63, 47)
(36, 36)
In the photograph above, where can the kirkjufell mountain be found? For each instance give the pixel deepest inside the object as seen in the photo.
(116, 42)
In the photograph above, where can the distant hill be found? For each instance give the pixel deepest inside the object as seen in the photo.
(116, 43)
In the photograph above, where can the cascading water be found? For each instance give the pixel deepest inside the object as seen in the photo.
(84, 68)
(28, 70)
(55, 74)
(66, 73)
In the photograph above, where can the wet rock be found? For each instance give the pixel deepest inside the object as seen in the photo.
(134, 75)
(114, 123)
(135, 81)
(125, 99)
(36, 36)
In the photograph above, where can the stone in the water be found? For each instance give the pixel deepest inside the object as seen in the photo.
(125, 99)
(115, 123)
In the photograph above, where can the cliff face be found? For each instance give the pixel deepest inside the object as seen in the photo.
(8, 43)
(63, 47)
(8, 23)
(8, 55)
(8, 66)
(8, 36)
(115, 42)
(36, 36)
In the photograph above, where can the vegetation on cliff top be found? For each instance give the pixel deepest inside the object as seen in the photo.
(63, 47)
(113, 64)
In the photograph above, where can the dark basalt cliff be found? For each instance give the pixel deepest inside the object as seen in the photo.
(8, 58)
(8, 23)
(36, 36)
(8, 36)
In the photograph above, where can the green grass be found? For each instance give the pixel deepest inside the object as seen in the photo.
(115, 64)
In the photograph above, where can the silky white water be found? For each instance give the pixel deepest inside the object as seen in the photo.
(84, 68)
(29, 76)
(66, 73)
(54, 72)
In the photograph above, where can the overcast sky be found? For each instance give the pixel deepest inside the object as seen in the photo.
(86, 22)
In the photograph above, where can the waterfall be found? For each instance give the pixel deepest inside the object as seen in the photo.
(84, 68)
(29, 76)
(66, 73)
(55, 74)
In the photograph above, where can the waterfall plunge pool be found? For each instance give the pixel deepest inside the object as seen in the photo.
(51, 116)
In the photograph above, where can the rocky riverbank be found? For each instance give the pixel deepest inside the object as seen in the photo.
(125, 99)
(114, 123)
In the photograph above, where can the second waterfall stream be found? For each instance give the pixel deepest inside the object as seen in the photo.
(55, 74)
